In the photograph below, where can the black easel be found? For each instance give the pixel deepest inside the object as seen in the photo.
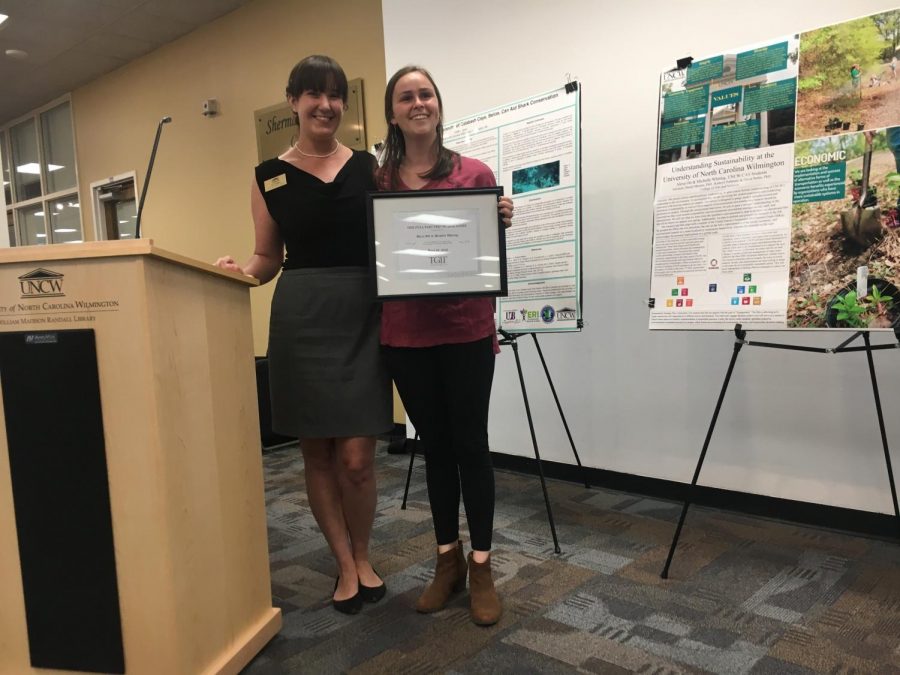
(740, 341)
(510, 340)
(412, 457)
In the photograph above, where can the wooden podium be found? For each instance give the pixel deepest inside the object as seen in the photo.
(133, 537)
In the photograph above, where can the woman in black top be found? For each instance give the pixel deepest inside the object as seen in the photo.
(328, 383)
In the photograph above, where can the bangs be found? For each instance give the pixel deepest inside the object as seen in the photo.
(317, 73)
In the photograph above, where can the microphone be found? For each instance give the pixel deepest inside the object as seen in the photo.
(137, 223)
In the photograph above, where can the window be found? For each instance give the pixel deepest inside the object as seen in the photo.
(7, 186)
(7, 189)
(40, 180)
(9, 225)
(24, 154)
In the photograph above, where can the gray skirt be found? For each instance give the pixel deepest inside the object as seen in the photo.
(327, 378)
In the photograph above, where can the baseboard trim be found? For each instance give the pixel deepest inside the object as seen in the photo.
(853, 521)
(807, 513)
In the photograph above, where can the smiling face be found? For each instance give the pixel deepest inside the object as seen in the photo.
(317, 93)
(415, 105)
(319, 112)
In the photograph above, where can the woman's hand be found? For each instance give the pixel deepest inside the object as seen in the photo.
(505, 207)
(228, 263)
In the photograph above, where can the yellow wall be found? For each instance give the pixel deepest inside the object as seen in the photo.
(198, 201)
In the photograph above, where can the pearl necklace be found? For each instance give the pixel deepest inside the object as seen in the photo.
(337, 145)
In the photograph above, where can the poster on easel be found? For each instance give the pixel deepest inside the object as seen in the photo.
(778, 184)
(533, 146)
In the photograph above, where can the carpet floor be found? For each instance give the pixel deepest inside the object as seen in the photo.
(745, 595)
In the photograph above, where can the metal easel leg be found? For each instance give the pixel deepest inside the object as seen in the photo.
(561, 413)
(739, 342)
(412, 458)
(884, 443)
(537, 454)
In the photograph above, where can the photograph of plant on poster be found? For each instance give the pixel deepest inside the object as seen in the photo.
(848, 76)
(845, 217)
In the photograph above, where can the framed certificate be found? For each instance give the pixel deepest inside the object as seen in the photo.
(432, 243)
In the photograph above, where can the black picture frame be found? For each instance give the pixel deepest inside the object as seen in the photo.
(458, 235)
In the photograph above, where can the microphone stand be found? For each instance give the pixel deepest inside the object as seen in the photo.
(137, 224)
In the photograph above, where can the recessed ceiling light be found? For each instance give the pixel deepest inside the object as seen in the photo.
(17, 54)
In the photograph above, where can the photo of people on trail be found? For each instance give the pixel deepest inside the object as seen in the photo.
(848, 76)
(845, 232)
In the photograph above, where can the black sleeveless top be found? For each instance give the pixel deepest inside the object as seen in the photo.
(321, 224)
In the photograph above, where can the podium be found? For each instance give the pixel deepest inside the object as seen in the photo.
(132, 512)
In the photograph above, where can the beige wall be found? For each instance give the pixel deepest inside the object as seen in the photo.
(198, 201)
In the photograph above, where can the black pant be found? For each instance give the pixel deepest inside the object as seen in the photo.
(446, 391)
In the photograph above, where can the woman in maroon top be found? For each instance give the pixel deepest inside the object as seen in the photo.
(440, 353)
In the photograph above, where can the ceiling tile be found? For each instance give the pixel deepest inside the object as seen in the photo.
(32, 35)
(196, 12)
(156, 29)
(71, 42)
(83, 14)
(122, 4)
(39, 51)
(116, 46)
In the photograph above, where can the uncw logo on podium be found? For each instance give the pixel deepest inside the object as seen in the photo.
(41, 283)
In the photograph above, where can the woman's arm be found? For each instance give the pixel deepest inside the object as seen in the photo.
(268, 252)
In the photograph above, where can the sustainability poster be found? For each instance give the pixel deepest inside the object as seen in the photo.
(778, 184)
(534, 148)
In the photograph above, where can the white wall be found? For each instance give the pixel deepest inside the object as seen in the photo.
(794, 425)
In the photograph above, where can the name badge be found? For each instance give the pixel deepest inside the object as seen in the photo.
(277, 182)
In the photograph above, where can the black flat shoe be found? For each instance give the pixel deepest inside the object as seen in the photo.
(372, 593)
(351, 605)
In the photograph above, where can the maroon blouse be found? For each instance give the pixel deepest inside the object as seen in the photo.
(439, 321)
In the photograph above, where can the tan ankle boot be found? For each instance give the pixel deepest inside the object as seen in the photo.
(449, 578)
(485, 604)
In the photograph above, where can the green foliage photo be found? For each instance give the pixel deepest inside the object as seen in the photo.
(849, 310)
(855, 312)
(827, 54)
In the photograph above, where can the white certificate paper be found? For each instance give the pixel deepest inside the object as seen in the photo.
(432, 243)
(437, 243)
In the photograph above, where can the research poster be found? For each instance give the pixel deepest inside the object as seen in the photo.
(778, 184)
(533, 147)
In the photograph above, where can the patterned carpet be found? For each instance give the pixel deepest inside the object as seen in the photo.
(746, 595)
